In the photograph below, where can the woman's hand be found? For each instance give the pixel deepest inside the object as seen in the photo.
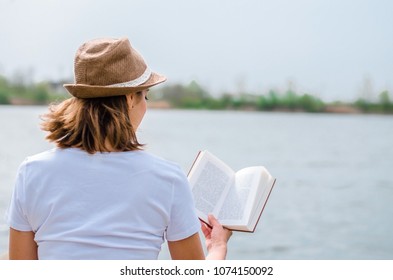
(216, 239)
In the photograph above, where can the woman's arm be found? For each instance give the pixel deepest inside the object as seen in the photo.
(216, 239)
(22, 245)
(191, 248)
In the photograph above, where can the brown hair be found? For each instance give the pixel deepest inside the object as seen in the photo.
(93, 125)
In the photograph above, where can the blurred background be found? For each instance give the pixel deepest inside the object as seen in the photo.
(303, 87)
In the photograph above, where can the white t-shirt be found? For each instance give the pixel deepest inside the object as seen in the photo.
(120, 205)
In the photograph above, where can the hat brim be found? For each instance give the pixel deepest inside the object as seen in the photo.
(92, 91)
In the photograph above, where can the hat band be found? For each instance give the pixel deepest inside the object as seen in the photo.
(136, 82)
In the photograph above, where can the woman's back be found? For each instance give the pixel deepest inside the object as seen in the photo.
(103, 205)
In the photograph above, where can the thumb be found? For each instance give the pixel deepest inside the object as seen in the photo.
(213, 221)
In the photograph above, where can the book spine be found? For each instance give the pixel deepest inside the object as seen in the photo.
(196, 158)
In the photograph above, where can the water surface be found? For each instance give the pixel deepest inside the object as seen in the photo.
(334, 193)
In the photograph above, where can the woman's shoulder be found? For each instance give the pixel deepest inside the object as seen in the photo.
(39, 157)
(159, 161)
(166, 170)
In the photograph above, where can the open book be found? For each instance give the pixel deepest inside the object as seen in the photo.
(236, 199)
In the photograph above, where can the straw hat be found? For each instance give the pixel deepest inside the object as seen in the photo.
(110, 67)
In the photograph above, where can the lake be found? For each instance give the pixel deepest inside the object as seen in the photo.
(333, 198)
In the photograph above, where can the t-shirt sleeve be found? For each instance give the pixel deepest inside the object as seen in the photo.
(16, 215)
(183, 219)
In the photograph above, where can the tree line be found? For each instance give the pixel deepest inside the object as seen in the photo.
(28, 93)
(194, 96)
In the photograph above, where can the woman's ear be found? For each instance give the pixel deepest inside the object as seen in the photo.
(130, 100)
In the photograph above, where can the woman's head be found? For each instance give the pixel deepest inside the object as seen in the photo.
(111, 83)
(97, 124)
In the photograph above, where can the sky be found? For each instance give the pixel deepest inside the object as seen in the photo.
(334, 49)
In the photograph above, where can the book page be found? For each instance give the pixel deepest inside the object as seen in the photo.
(266, 183)
(209, 187)
(237, 203)
(234, 204)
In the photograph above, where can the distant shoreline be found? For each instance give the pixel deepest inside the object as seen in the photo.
(161, 105)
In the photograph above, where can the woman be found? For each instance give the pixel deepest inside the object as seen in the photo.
(98, 195)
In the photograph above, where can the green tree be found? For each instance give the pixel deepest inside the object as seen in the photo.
(384, 100)
(4, 97)
(4, 91)
(290, 100)
(40, 94)
(363, 105)
(310, 103)
(190, 96)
